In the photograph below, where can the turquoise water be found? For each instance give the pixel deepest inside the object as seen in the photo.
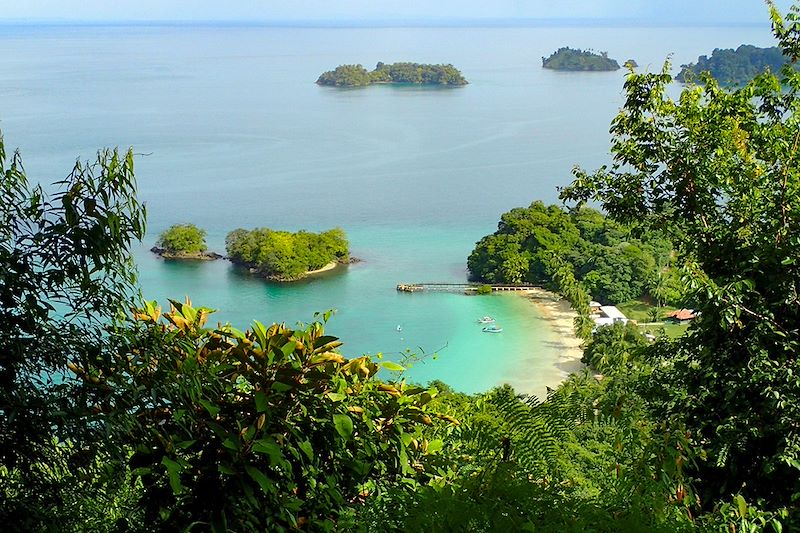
(232, 132)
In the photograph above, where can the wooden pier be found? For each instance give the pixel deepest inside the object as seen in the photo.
(462, 287)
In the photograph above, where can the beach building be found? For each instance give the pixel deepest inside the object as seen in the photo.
(682, 316)
(609, 315)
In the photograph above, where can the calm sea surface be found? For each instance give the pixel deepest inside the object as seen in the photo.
(233, 132)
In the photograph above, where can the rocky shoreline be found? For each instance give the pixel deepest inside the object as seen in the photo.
(184, 256)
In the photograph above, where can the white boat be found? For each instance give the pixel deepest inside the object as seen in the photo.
(485, 320)
(492, 329)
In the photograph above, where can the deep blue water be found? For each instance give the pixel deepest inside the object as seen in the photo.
(231, 131)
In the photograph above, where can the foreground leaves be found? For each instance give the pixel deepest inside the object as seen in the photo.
(270, 428)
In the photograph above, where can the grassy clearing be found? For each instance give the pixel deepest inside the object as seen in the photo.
(673, 331)
(639, 310)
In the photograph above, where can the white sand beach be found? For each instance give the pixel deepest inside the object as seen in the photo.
(555, 355)
(329, 266)
(560, 318)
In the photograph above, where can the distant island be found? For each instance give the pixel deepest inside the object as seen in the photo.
(574, 59)
(287, 256)
(734, 67)
(414, 73)
(184, 241)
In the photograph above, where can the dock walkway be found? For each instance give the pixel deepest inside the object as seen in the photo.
(462, 287)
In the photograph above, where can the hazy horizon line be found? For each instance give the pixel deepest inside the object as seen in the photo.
(409, 22)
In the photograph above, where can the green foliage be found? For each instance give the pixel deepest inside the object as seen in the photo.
(738, 515)
(286, 256)
(61, 493)
(734, 67)
(416, 73)
(65, 275)
(566, 58)
(183, 239)
(346, 76)
(419, 74)
(720, 166)
(586, 459)
(614, 347)
(484, 466)
(265, 430)
(484, 289)
(609, 262)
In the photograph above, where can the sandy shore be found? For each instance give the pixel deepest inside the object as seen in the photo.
(329, 266)
(560, 318)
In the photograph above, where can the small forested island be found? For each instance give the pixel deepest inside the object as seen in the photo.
(575, 59)
(184, 241)
(734, 67)
(610, 263)
(414, 73)
(287, 256)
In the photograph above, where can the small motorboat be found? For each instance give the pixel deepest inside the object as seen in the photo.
(492, 329)
(486, 320)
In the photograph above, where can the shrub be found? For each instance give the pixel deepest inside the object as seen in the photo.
(183, 238)
(271, 429)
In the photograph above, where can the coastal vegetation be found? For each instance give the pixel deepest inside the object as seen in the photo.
(286, 256)
(575, 59)
(483, 289)
(183, 241)
(608, 260)
(414, 73)
(116, 416)
(734, 67)
(731, 381)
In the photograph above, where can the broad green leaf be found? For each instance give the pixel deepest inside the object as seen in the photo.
(226, 469)
(189, 313)
(230, 331)
(741, 505)
(261, 401)
(281, 387)
(435, 445)
(266, 446)
(232, 443)
(174, 472)
(325, 339)
(343, 425)
(288, 348)
(305, 446)
(392, 367)
(260, 332)
(259, 477)
(212, 409)
(336, 396)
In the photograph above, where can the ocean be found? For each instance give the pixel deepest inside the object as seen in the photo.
(231, 131)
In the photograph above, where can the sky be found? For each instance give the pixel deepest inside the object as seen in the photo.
(652, 11)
